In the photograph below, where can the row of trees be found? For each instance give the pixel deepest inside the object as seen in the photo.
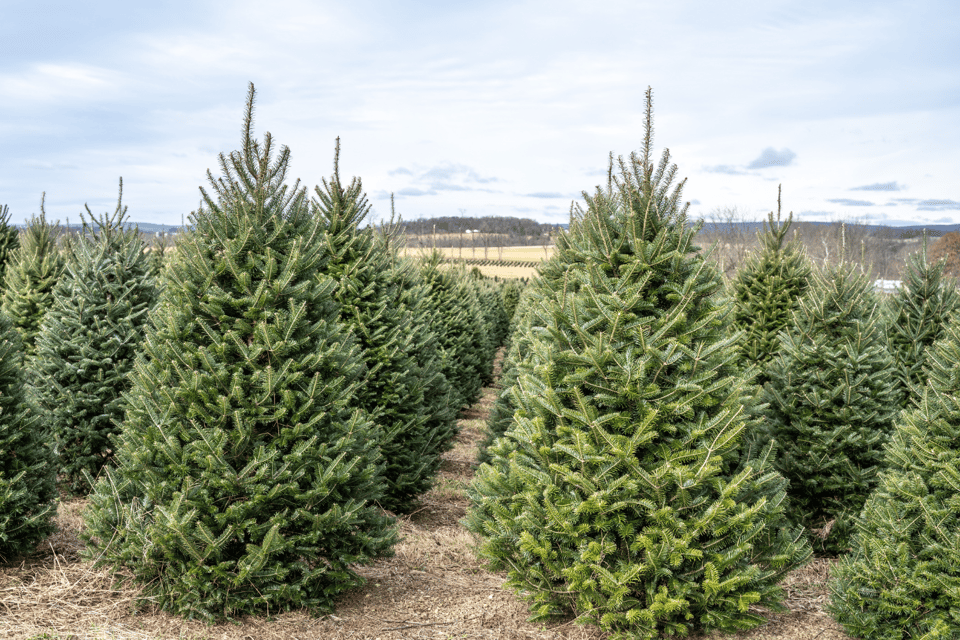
(264, 400)
(665, 449)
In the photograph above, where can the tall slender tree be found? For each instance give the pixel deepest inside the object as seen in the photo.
(9, 238)
(459, 328)
(34, 268)
(832, 403)
(402, 363)
(28, 471)
(245, 479)
(902, 576)
(767, 290)
(88, 341)
(917, 317)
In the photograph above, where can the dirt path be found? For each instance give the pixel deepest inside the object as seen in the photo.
(433, 588)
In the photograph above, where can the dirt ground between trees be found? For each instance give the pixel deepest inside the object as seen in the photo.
(433, 588)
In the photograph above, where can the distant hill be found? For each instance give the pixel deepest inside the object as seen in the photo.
(898, 231)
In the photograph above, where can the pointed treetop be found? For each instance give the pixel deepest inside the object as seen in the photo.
(107, 222)
(774, 232)
(342, 207)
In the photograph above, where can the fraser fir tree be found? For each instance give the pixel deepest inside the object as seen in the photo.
(459, 328)
(832, 402)
(902, 577)
(33, 270)
(613, 496)
(402, 365)
(88, 341)
(918, 315)
(512, 290)
(28, 470)
(501, 414)
(767, 289)
(495, 322)
(245, 479)
(441, 400)
(9, 238)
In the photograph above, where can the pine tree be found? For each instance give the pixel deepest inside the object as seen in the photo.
(33, 270)
(28, 470)
(9, 239)
(245, 479)
(614, 496)
(767, 289)
(902, 576)
(88, 341)
(918, 314)
(399, 353)
(832, 402)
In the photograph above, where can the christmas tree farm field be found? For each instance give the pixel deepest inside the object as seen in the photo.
(433, 588)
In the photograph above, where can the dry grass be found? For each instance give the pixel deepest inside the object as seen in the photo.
(434, 587)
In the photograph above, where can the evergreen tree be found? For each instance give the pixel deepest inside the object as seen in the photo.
(33, 270)
(9, 238)
(28, 471)
(401, 359)
(501, 414)
(459, 328)
(495, 322)
(902, 576)
(832, 402)
(918, 315)
(512, 290)
(441, 400)
(245, 479)
(610, 495)
(88, 341)
(767, 289)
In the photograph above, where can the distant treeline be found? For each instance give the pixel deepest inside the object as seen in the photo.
(448, 231)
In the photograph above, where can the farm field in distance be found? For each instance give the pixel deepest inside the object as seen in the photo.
(494, 254)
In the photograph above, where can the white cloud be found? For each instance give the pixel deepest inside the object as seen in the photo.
(56, 84)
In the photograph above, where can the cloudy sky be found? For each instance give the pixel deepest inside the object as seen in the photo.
(487, 108)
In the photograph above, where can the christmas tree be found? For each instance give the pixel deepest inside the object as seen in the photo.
(401, 362)
(832, 401)
(245, 479)
(31, 273)
(902, 577)
(766, 291)
(459, 327)
(9, 238)
(495, 320)
(918, 314)
(28, 471)
(610, 498)
(501, 414)
(88, 341)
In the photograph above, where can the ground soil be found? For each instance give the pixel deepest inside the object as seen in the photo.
(434, 587)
